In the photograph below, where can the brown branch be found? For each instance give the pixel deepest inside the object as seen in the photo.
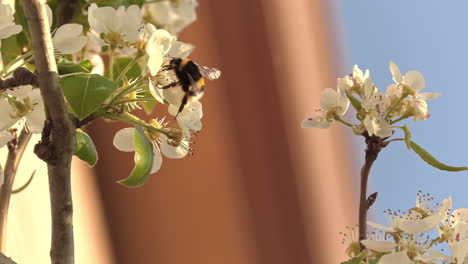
(6, 260)
(21, 76)
(374, 146)
(16, 149)
(62, 134)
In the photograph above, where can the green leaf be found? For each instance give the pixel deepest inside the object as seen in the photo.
(84, 148)
(373, 261)
(144, 156)
(356, 260)
(67, 67)
(148, 105)
(20, 19)
(354, 101)
(117, 3)
(433, 161)
(86, 92)
(10, 49)
(86, 64)
(22, 188)
(407, 133)
(120, 63)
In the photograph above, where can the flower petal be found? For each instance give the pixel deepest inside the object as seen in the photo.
(415, 80)
(157, 160)
(68, 39)
(379, 246)
(428, 96)
(396, 73)
(171, 151)
(329, 99)
(381, 227)
(180, 49)
(317, 121)
(123, 139)
(420, 225)
(396, 258)
(35, 119)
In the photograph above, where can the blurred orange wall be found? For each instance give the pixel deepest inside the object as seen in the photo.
(259, 189)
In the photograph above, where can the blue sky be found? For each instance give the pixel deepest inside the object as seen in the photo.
(432, 37)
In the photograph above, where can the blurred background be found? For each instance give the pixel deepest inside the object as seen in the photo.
(259, 189)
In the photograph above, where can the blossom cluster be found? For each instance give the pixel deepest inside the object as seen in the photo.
(376, 111)
(132, 47)
(408, 238)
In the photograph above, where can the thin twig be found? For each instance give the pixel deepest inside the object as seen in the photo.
(374, 146)
(16, 149)
(6, 260)
(62, 134)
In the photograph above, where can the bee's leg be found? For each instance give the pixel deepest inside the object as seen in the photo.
(169, 85)
(182, 105)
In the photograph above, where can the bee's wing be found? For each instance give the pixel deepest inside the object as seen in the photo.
(209, 72)
(194, 85)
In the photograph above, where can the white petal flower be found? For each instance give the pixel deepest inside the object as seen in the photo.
(418, 109)
(421, 225)
(459, 244)
(108, 20)
(7, 24)
(190, 118)
(172, 15)
(6, 118)
(396, 258)
(379, 246)
(376, 105)
(174, 95)
(334, 100)
(33, 112)
(432, 256)
(68, 38)
(412, 79)
(317, 121)
(124, 141)
(333, 104)
(157, 47)
(180, 49)
(376, 125)
(171, 151)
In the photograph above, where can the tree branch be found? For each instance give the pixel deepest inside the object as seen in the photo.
(62, 134)
(21, 76)
(16, 149)
(374, 146)
(6, 260)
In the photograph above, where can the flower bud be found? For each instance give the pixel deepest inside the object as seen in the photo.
(418, 109)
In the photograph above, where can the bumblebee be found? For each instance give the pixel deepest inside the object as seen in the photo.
(191, 78)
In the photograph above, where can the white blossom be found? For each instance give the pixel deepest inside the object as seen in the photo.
(190, 117)
(412, 79)
(24, 103)
(172, 15)
(333, 104)
(158, 43)
(400, 257)
(7, 22)
(68, 38)
(124, 141)
(124, 21)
